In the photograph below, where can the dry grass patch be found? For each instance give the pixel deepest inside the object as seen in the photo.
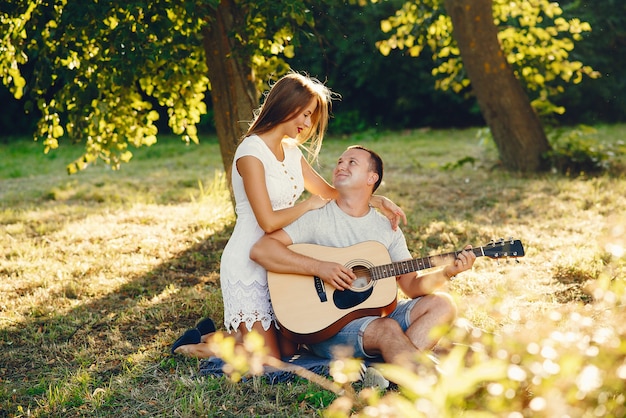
(99, 273)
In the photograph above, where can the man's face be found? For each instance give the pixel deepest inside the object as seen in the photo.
(353, 170)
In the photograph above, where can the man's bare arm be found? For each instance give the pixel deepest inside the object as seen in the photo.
(273, 254)
(432, 281)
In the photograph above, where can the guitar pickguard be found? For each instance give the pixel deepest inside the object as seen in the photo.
(362, 287)
(347, 299)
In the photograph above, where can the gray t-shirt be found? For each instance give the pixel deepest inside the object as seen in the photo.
(332, 227)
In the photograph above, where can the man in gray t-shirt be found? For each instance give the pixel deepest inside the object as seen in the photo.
(346, 222)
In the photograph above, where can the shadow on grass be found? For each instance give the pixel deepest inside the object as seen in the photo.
(104, 332)
(110, 334)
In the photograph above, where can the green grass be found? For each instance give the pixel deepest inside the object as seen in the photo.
(101, 271)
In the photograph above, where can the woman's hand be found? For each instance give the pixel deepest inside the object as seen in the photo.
(316, 202)
(392, 211)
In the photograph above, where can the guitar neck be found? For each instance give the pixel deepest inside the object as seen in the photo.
(416, 264)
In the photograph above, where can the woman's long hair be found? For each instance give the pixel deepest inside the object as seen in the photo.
(286, 99)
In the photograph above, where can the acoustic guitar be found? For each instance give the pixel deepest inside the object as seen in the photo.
(309, 311)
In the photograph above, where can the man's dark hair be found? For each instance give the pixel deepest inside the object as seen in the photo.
(376, 164)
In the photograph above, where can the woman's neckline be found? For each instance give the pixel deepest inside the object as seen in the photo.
(280, 159)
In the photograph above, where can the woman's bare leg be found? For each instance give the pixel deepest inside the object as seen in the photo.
(287, 347)
(270, 336)
(203, 350)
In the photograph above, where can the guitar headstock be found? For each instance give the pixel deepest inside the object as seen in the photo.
(511, 248)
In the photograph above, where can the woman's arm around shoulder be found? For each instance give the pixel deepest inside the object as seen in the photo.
(253, 174)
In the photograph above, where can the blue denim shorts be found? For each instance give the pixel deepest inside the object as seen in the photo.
(351, 336)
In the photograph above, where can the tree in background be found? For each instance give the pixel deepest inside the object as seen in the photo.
(508, 50)
(98, 69)
(604, 48)
(378, 92)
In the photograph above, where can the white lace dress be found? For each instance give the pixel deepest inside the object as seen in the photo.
(243, 282)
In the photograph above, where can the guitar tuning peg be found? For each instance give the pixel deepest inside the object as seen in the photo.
(517, 261)
(511, 240)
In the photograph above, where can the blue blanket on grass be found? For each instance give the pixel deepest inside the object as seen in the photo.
(214, 367)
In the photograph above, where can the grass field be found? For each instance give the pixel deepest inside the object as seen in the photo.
(101, 271)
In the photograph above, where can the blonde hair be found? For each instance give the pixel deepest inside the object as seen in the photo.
(288, 97)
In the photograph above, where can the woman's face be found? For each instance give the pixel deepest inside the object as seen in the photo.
(301, 122)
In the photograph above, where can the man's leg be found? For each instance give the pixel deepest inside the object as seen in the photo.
(385, 337)
(407, 330)
(429, 312)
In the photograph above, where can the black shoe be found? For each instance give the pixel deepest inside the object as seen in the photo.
(191, 336)
(206, 326)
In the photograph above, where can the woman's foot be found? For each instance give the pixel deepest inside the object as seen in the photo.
(206, 326)
(191, 336)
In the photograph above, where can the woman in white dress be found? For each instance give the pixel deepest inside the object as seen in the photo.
(269, 174)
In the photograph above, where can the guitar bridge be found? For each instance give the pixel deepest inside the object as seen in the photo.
(320, 289)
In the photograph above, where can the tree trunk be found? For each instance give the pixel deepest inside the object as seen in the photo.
(516, 128)
(233, 91)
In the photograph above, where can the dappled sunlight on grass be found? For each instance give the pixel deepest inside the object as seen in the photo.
(96, 254)
(96, 282)
(105, 270)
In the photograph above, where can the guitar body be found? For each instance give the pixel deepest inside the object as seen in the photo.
(309, 310)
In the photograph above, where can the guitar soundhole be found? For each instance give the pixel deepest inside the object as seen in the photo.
(363, 279)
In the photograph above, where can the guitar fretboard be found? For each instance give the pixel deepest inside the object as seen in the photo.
(408, 266)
